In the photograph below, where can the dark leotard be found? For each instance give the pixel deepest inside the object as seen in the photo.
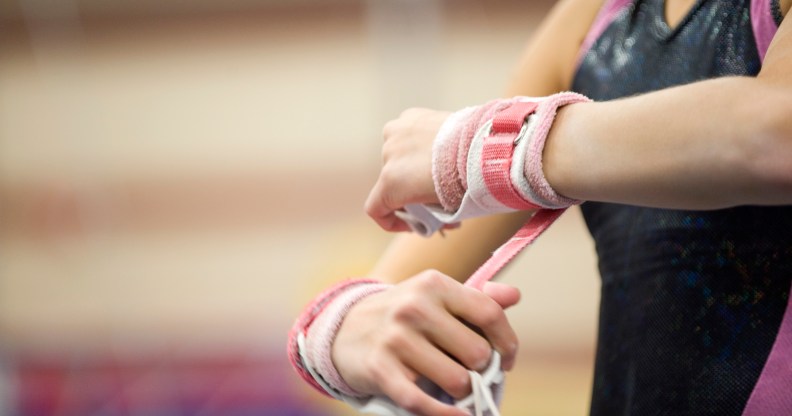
(691, 301)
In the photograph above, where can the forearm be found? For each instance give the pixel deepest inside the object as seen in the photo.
(457, 254)
(708, 145)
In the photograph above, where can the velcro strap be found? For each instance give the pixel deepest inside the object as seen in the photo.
(497, 154)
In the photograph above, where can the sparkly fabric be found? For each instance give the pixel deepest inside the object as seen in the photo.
(776, 8)
(691, 300)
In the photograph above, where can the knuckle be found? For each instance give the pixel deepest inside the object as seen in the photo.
(490, 313)
(432, 280)
(373, 196)
(369, 208)
(414, 113)
(373, 365)
(410, 310)
(411, 402)
(386, 153)
(388, 174)
(409, 112)
(389, 129)
(395, 339)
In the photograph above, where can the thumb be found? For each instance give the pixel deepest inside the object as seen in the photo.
(505, 295)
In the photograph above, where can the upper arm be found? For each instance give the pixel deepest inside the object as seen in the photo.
(785, 6)
(549, 59)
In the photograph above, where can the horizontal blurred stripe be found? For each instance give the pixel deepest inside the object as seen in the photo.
(61, 208)
(172, 383)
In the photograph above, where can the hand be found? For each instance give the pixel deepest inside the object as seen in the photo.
(406, 174)
(430, 326)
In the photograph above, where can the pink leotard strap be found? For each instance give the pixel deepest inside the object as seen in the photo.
(764, 25)
(772, 394)
(610, 10)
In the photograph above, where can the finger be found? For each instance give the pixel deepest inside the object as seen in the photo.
(377, 208)
(483, 312)
(459, 340)
(393, 223)
(471, 306)
(422, 312)
(406, 394)
(425, 358)
(506, 296)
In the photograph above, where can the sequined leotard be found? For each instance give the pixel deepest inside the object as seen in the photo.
(691, 300)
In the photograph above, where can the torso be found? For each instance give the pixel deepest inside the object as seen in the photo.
(691, 300)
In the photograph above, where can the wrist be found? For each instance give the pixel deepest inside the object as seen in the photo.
(312, 336)
(564, 144)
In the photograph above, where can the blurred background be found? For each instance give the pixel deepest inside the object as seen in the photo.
(178, 178)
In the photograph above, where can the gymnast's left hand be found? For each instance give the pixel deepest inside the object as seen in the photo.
(406, 174)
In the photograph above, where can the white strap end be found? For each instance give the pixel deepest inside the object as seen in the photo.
(420, 219)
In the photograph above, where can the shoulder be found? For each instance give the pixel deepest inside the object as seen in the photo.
(785, 6)
(548, 63)
(577, 19)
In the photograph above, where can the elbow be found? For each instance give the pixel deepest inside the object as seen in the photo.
(769, 148)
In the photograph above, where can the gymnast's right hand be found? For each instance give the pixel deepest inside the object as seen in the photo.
(429, 325)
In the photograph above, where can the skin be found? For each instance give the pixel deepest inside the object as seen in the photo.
(710, 156)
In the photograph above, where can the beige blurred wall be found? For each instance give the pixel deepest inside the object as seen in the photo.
(187, 176)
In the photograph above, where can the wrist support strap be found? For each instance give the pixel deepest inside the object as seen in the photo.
(502, 170)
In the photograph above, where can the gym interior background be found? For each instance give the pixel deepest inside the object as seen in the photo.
(177, 178)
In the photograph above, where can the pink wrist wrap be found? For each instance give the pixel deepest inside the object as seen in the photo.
(464, 149)
(502, 172)
(318, 325)
(451, 147)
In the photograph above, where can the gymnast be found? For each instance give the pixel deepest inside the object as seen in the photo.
(672, 120)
